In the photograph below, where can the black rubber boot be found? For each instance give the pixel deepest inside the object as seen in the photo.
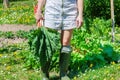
(45, 71)
(64, 62)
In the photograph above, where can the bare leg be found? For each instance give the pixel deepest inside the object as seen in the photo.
(66, 37)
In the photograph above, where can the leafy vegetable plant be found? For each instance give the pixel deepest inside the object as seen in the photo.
(43, 43)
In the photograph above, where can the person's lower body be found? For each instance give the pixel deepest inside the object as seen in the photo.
(65, 54)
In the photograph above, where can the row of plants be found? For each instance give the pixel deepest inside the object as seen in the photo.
(9, 48)
(18, 34)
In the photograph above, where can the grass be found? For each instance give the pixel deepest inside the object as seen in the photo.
(19, 72)
(111, 72)
(12, 67)
(20, 12)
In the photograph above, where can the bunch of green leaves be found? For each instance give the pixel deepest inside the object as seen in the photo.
(43, 43)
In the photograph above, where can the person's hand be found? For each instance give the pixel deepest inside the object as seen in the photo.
(39, 19)
(38, 16)
(79, 21)
(39, 23)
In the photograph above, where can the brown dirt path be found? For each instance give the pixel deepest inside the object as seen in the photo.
(14, 28)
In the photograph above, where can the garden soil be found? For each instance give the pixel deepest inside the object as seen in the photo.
(14, 28)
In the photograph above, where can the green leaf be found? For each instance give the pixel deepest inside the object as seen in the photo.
(108, 50)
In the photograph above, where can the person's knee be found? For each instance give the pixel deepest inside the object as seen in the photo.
(66, 49)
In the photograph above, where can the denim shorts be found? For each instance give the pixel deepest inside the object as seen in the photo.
(60, 14)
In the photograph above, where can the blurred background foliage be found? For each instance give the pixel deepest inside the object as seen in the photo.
(101, 8)
(96, 8)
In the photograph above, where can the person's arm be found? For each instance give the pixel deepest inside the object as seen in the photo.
(38, 14)
(41, 3)
(79, 19)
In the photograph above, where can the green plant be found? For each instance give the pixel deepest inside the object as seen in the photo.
(22, 34)
(1, 33)
(90, 51)
(18, 34)
(10, 48)
(98, 27)
(110, 54)
(101, 27)
(31, 62)
(43, 44)
(8, 34)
